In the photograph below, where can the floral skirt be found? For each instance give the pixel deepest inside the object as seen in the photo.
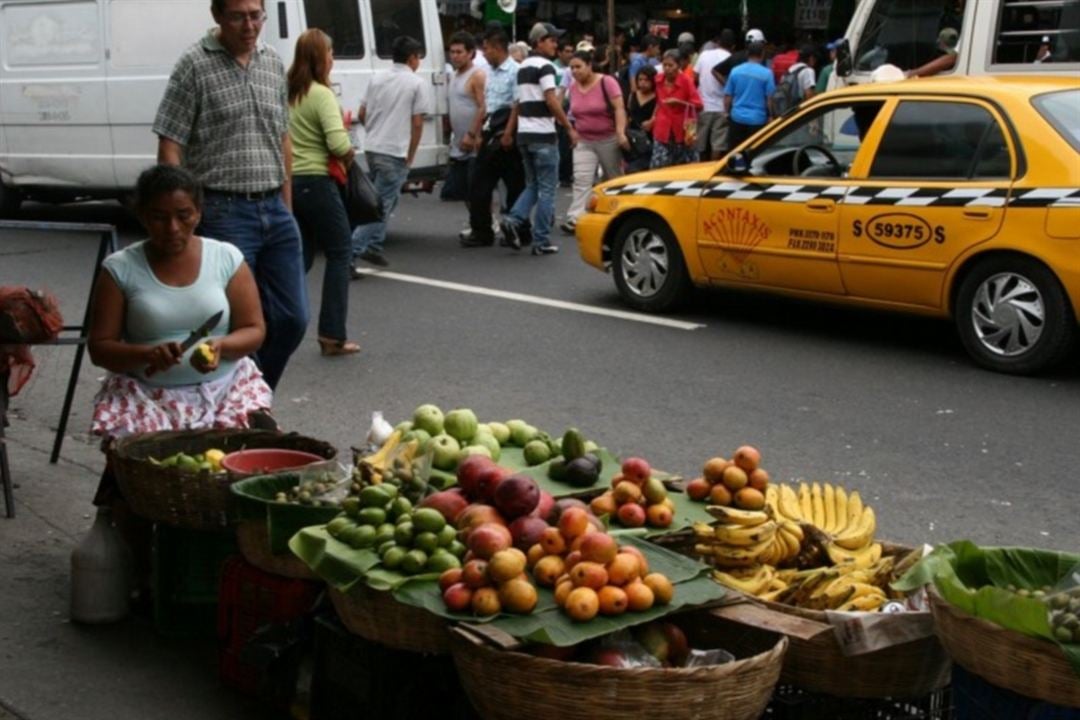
(668, 154)
(124, 406)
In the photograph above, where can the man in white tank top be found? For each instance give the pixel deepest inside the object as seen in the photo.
(467, 111)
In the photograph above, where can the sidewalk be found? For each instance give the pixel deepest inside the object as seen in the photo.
(51, 669)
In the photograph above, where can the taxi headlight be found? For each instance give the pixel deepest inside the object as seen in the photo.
(594, 203)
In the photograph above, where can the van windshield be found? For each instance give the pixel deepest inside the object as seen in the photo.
(1062, 110)
(905, 32)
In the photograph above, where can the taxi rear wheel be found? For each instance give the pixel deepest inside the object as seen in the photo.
(1013, 316)
(648, 265)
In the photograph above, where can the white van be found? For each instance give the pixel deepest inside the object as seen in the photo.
(80, 81)
(996, 36)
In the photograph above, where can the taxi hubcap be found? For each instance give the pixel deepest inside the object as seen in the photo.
(645, 262)
(1008, 314)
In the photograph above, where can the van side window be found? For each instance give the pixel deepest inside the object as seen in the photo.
(1046, 32)
(340, 19)
(905, 32)
(394, 18)
(942, 140)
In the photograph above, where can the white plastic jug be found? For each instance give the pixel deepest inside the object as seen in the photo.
(100, 574)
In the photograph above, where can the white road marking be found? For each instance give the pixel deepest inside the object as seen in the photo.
(533, 299)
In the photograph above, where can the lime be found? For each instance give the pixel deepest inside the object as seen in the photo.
(363, 537)
(372, 516)
(401, 506)
(403, 535)
(414, 562)
(350, 536)
(441, 561)
(335, 526)
(457, 549)
(351, 505)
(393, 557)
(384, 533)
(374, 496)
(426, 541)
(446, 536)
(429, 520)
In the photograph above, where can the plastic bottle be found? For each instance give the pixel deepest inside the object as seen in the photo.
(100, 574)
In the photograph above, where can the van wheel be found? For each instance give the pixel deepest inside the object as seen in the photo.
(1013, 316)
(648, 265)
(10, 200)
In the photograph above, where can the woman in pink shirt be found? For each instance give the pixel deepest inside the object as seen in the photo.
(599, 116)
(677, 101)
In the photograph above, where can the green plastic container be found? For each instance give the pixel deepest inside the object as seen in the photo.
(255, 502)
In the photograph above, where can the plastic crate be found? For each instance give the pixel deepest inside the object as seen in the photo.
(353, 678)
(260, 640)
(791, 703)
(977, 699)
(185, 575)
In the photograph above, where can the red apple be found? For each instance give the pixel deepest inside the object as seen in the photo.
(545, 506)
(636, 470)
(469, 471)
(490, 478)
(526, 531)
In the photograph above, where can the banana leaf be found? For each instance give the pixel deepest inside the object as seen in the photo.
(340, 565)
(975, 580)
(610, 467)
(548, 624)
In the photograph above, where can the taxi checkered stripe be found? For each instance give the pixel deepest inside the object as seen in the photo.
(854, 195)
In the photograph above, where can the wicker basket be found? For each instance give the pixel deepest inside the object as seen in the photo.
(253, 540)
(1033, 667)
(500, 683)
(181, 498)
(376, 616)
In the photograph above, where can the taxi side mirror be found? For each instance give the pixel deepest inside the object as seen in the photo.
(843, 59)
(737, 164)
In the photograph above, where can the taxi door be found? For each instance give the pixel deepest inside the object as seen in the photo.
(936, 185)
(777, 226)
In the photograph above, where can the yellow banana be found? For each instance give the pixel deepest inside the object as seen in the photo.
(806, 507)
(735, 516)
(854, 509)
(863, 603)
(751, 585)
(790, 543)
(859, 559)
(743, 535)
(772, 500)
(818, 506)
(841, 510)
(862, 535)
(789, 503)
(829, 501)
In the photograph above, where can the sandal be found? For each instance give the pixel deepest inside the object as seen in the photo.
(330, 347)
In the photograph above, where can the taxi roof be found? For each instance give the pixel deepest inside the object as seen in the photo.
(1015, 86)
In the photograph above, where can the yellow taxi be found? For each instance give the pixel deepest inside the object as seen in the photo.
(952, 197)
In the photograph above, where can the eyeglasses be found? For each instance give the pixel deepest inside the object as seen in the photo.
(238, 18)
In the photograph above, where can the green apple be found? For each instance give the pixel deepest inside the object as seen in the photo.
(445, 451)
(475, 450)
(591, 447)
(536, 452)
(428, 418)
(460, 424)
(404, 427)
(517, 429)
(483, 428)
(423, 437)
(489, 442)
(500, 431)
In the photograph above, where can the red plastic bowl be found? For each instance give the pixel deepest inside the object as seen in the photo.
(267, 460)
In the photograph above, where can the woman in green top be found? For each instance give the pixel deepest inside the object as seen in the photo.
(318, 135)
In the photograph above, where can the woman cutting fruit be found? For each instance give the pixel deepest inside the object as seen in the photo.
(151, 297)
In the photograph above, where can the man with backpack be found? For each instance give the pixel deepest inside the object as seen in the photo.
(748, 96)
(798, 83)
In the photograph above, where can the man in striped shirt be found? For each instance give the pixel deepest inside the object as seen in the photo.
(536, 110)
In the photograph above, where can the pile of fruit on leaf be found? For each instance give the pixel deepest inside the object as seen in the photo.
(590, 573)
(1064, 608)
(636, 498)
(577, 464)
(654, 644)
(490, 584)
(407, 539)
(739, 482)
(209, 461)
(812, 547)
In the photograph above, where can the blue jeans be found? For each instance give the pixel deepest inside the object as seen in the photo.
(266, 233)
(320, 212)
(388, 175)
(541, 161)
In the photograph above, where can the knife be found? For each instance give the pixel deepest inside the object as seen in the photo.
(202, 331)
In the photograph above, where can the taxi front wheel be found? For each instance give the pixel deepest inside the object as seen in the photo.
(1013, 316)
(648, 265)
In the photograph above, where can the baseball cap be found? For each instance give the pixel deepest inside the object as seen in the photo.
(686, 37)
(755, 36)
(948, 37)
(542, 30)
(585, 46)
(834, 44)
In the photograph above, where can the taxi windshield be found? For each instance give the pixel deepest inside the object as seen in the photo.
(1062, 110)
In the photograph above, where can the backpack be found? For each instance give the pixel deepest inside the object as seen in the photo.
(788, 93)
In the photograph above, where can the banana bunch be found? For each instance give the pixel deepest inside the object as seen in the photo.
(838, 523)
(757, 580)
(840, 587)
(746, 538)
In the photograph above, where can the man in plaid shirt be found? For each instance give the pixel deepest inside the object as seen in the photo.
(225, 117)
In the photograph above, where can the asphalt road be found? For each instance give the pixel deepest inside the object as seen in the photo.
(885, 404)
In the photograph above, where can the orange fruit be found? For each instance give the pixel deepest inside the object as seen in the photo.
(734, 478)
(747, 457)
(624, 569)
(613, 600)
(698, 488)
(552, 541)
(639, 596)
(750, 499)
(714, 469)
(662, 588)
(548, 570)
(589, 574)
(582, 604)
(720, 495)
(759, 479)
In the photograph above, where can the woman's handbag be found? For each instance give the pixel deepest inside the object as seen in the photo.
(362, 203)
(640, 144)
(690, 126)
